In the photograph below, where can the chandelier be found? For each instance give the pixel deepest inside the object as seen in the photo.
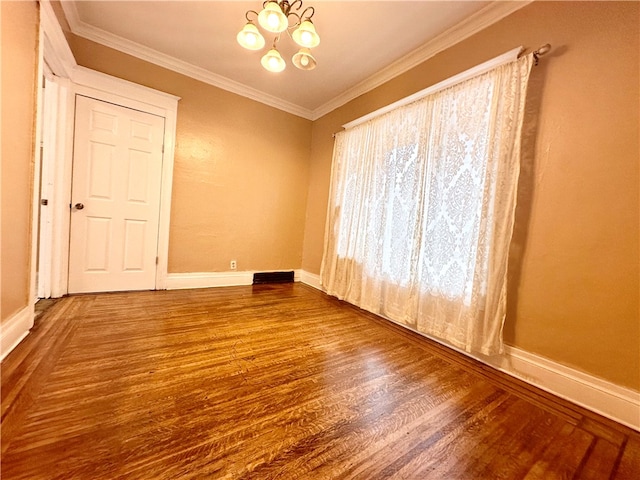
(276, 17)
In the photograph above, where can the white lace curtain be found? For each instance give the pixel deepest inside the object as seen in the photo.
(421, 209)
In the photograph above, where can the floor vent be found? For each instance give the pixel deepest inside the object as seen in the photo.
(273, 277)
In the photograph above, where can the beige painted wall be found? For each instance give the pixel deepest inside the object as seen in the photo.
(19, 67)
(574, 283)
(240, 175)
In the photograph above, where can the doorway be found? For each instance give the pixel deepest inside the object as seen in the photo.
(152, 120)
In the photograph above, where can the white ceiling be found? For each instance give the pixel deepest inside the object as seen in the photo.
(363, 43)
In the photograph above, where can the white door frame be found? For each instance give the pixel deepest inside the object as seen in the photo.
(35, 191)
(60, 196)
(121, 92)
(57, 55)
(80, 80)
(48, 130)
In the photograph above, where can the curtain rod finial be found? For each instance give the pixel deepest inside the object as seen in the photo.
(543, 50)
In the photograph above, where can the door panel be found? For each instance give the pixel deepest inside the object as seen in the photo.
(117, 168)
(134, 241)
(98, 244)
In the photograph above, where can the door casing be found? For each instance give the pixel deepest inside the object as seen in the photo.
(119, 92)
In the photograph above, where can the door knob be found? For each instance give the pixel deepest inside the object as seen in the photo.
(79, 206)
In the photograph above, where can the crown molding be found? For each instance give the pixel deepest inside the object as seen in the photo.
(147, 54)
(510, 56)
(489, 15)
(57, 54)
(71, 13)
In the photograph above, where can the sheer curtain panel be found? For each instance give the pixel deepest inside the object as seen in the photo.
(422, 205)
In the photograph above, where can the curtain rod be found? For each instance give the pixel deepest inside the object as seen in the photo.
(509, 56)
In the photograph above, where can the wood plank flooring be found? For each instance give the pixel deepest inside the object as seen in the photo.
(276, 381)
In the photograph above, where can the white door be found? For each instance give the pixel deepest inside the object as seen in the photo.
(115, 198)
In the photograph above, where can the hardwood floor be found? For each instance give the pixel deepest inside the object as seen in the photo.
(276, 381)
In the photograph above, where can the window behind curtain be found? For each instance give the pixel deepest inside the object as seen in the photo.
(421, 209)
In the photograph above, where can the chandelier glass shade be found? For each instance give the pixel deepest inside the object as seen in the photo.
(304, 60)
(305, 35)
(250, 37)
(276, 17)
(272, 19)
(273, 61)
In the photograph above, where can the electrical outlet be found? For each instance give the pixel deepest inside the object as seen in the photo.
(233, 264)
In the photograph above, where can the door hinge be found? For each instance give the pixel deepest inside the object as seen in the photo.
(157, 260)
(44, 202)
(163, 148)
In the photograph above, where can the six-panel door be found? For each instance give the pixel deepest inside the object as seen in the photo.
(115, 201)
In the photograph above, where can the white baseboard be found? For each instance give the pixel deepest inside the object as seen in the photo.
(208, 279)
(14, 329)
(310, 279)
(593, 393)
(177, 281)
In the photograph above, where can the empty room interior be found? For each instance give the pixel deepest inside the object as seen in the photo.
(385, 239)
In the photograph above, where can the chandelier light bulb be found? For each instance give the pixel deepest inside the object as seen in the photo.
(250, 37)
(273, 21)
(251, 40)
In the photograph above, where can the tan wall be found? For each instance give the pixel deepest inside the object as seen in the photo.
(19, 67)
(240, 174)
(573, 294)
